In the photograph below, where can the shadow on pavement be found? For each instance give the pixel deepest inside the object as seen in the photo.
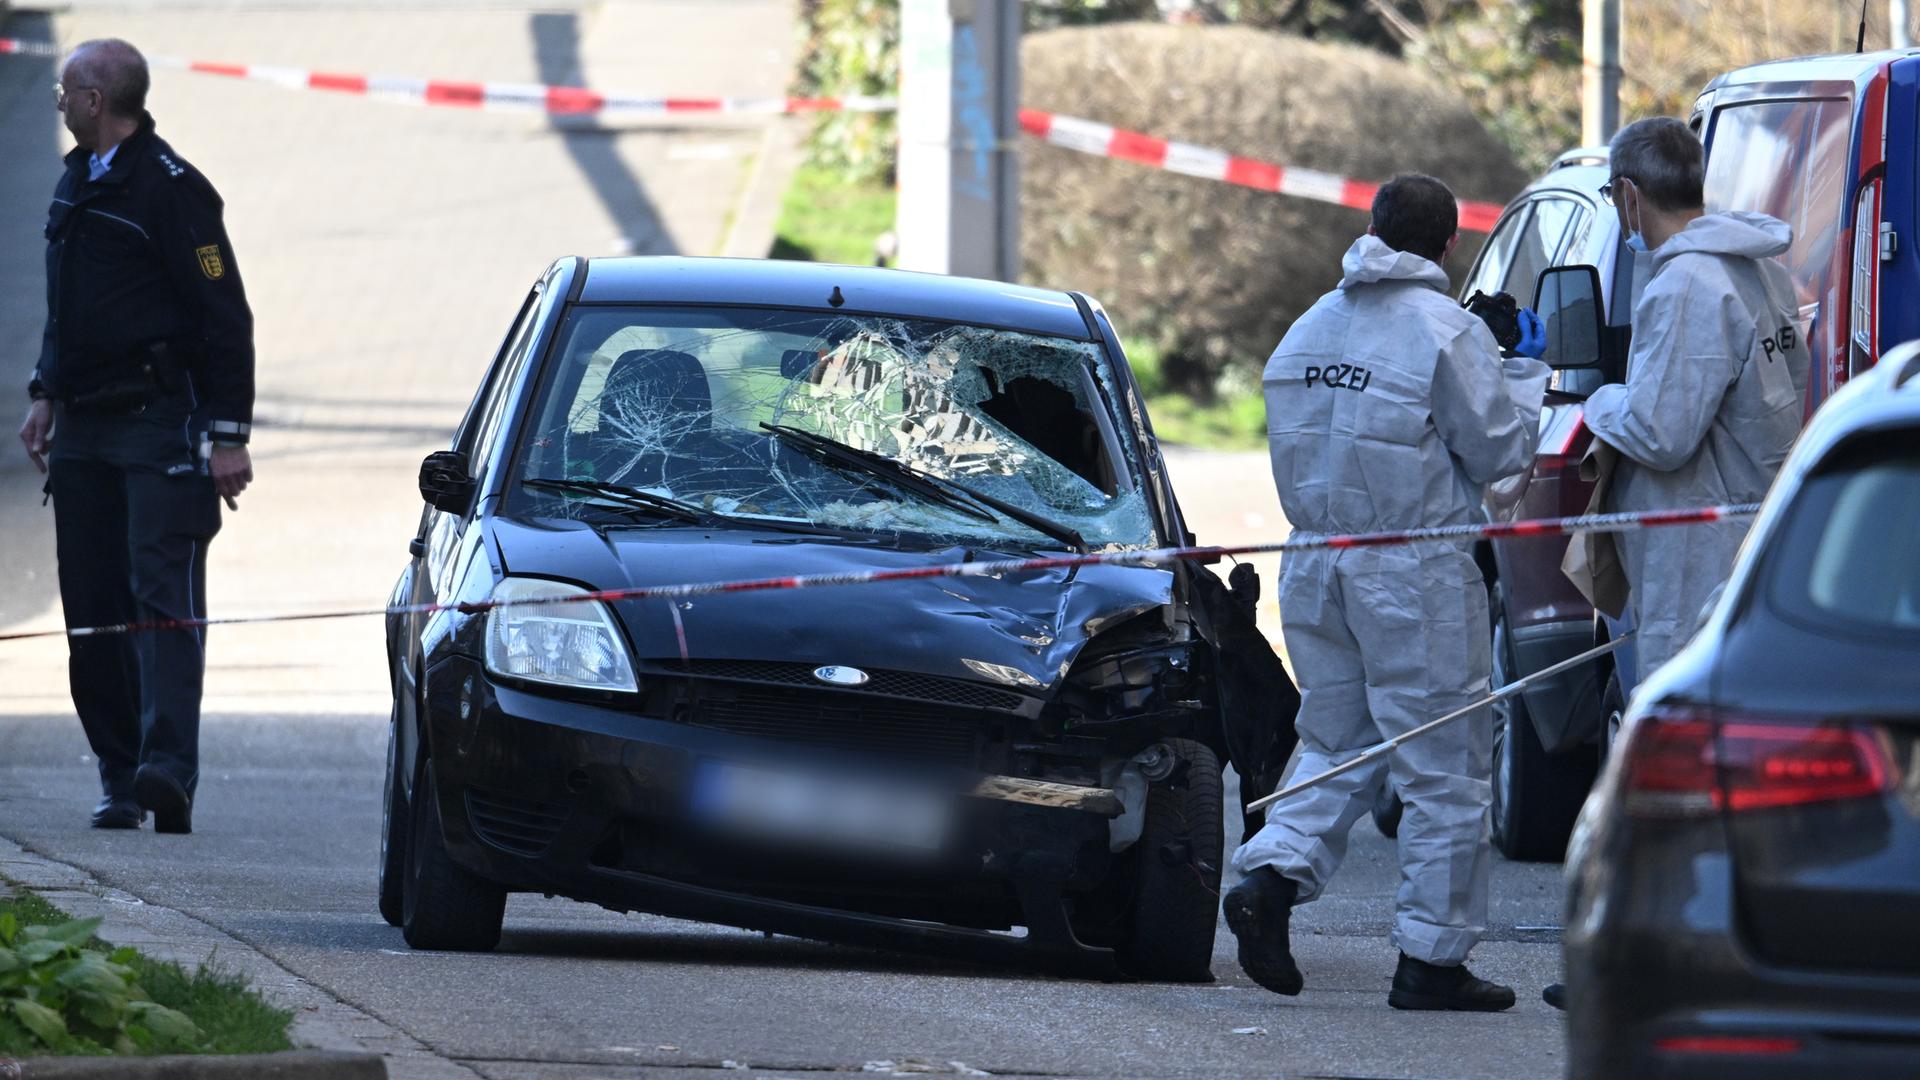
(556, 45)
(31, 143)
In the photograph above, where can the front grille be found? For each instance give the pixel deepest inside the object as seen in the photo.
(516, 825)
(842, 721)
(900, 684)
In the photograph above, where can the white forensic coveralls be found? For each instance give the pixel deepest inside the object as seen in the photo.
(1389, 407)
(1715, 392)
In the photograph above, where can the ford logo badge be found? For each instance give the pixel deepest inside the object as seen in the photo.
(841, 676)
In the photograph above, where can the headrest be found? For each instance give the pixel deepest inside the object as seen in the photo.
(658, 379)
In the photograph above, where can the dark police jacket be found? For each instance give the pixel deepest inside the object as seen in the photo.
(139, 259)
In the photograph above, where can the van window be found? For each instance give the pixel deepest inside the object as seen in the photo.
(1787, 159)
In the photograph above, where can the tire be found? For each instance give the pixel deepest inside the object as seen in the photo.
(1176, 896)
(1536, 795)
(1613, 709)
(447, 907)
(394, 824)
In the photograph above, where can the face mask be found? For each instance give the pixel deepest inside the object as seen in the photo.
(1636, 240)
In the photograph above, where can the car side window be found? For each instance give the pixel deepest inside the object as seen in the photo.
(464, 435)
(500, 388)
(1496, 258)
(1553, 223)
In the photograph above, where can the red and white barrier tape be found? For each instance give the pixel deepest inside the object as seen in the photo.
(1103, 140)
(1607, 523)
(1070, 132)
(557, 100)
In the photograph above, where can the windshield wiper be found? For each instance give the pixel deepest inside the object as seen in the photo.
(1039, 523)
(630, 497)
(875, 464)
(636, 499)
(949, 493)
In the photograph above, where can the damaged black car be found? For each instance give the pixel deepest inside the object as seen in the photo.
(1020, 767)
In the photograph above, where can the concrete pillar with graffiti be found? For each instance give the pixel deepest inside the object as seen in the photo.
(959, 209)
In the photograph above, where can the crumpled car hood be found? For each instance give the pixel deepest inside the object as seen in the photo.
(1030, 623)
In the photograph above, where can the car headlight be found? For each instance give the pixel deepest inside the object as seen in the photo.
(566, 644)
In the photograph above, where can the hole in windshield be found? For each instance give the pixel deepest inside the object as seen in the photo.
(685, 403)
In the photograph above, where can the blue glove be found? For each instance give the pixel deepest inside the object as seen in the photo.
(1533, 335)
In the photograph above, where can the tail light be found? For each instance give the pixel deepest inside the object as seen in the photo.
(1560, 429)
(1693, 763)
(1730, 1045)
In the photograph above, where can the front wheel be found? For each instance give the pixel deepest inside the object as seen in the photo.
(394, 822)
(447, 906)
(1176, 899)
(1613, 706)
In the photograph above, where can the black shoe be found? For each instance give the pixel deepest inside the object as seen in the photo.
(118, 812)
(1556, 996)
(171, 805)
(1258, 910)
(1430, 987)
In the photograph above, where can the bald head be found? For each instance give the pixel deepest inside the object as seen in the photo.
(114, 68)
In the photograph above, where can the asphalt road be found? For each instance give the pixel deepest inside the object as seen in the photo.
(385, 250)
(283, 857)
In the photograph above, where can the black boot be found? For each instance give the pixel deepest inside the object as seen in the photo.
(1430, 987)
(1556, 996)
(1258, 910)
(118, 812)
(172, 807)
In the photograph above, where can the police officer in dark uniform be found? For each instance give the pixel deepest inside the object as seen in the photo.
(142, 404)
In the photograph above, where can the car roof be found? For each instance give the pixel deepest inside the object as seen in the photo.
(866, 290)
(1885, 396)
(1835, 67)
(1582, 170)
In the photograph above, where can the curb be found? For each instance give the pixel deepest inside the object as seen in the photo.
(325, 1024)
(292, 1065)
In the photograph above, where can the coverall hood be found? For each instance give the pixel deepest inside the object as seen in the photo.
(1736, 232)
(1370, 260)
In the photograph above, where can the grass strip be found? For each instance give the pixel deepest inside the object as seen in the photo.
(823, 218)
(231, 1017)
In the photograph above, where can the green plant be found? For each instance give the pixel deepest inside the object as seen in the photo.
(67, 995)
(851, 48)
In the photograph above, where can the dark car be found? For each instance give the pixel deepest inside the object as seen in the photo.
(1022, 766)
(1742, 888)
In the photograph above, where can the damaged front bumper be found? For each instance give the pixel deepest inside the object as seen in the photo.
(596, 801)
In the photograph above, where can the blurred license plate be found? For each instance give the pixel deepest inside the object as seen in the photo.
(837, 812)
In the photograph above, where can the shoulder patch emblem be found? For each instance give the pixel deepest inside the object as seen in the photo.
(210, 262)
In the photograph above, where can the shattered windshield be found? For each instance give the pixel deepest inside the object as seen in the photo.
(687, 404)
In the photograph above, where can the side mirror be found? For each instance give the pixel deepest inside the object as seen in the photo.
(1567, 299)
(444, 482)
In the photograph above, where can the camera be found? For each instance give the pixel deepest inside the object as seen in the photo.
(1501, 313)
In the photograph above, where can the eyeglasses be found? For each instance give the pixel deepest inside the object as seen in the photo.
(60, 94)
(1606, 189)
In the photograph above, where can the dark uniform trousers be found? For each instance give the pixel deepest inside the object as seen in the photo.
(134, 511)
